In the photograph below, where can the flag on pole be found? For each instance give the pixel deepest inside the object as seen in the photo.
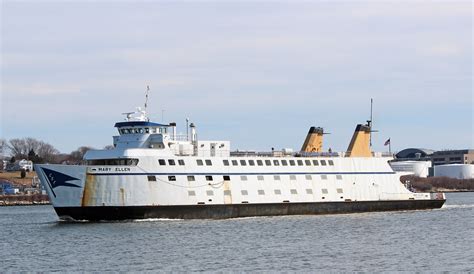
(387, 142)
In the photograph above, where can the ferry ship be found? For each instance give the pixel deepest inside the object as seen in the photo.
(152, 172)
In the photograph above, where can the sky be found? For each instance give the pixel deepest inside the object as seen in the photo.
(256, 73)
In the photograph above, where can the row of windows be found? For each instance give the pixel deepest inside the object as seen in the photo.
(192, 178)
(276, 162)
(113, 162)
(262, 192)
(142, 130)
(267, 162)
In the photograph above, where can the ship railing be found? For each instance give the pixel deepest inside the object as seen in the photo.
(300, 154)
(179, 137)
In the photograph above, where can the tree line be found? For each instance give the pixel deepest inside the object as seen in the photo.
(39, 152)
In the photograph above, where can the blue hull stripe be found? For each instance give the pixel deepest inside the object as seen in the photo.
(247, 173)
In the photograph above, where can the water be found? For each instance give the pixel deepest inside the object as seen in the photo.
(31, 239)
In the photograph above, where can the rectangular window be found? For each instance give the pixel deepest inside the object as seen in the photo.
(260, 177)
(227, 193)
(226, 178)
(260, 162)
(251, 162)
(171, 162)
(292, 162)
(208, 178)
(276, 177)
(181, 162)
(276, 162)
(339, 177)
(151, 178)
(315, 163)
(293, 191)
(191, 178)
(284, 163)
(261, 192)
(323, 162)
(308, 177)
(339, 190)
(191, 193)
(235, 163)
(307, 162)
(210, 193)
(172, 178)
(300, 162)
(331, 162)
(268, 162)
(277, 192)
(243, 163)
(309, 191)
(243, 177)
(293, 177)
(162, 162)
(324, 177)
(324, 191)
(199, 162)
(208, 163)
(226, 162)
(244, 192)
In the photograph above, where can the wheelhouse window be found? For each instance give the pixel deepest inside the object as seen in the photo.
(300, 162)
(171, 162)
(208, 163)
(162, 162)
(259, 162)
(284, 163)
(315, 163)
(243, 163)
(331, 162)
(251, 162)
(113, 162)
(276, 162)
(199, 162)
(235, 163)
(292, 162)
(323, 162)
(225, 162)
(268, 162)
(307, 162)
(181, 162)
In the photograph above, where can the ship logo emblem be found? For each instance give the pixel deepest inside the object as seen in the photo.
(56, 179)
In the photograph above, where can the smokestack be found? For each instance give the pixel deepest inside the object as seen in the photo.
(173, 128)
(360, 142)
(314, 140)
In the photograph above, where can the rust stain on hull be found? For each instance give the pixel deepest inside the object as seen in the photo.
(89, 190)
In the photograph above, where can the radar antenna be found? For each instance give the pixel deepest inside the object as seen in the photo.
(370, 123)
(146, 97)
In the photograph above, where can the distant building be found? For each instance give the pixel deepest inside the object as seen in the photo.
(414, 154)
(26, 165)
(458, 171)
(405, 160)
(444, 157)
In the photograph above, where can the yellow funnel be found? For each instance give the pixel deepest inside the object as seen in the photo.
(360, 143)
(314, 140)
